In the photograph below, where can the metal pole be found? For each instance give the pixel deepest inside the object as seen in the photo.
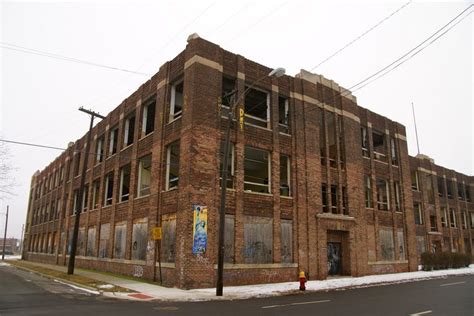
(5, 235)
(72, 255)
(416, 131)
(21, 238)
(159, 260)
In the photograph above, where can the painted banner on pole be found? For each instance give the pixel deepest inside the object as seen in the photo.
(199, 229)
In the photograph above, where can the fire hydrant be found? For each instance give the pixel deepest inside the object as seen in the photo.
(302, 281)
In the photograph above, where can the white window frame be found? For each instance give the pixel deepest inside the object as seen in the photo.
(445, 216)
(98, 155)
(113, 141)
(287, 115)
(269, 167)
(453, 222)
(267, 121)
(387, 191)
(174, 116)
(288, 173)
(140, 170)
(418, 213)
(107, 183)
(122, 173)
(464, 220)
(168, 166)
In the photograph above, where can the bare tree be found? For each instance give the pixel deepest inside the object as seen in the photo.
(7, 181)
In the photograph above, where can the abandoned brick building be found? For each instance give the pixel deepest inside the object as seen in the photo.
(316, 183)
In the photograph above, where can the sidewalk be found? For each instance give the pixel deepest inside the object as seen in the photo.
(145, 291)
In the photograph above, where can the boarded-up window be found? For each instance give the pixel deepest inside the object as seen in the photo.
(387, 248)
(420, 245)
(229, 256)
(139, 238)
(90, 242)
(81, 242)
(258, 239)
(286, 240)
(168, 241)
(401, 245)
(120, 240)
(104, 240)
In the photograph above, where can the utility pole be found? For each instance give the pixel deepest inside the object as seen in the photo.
(5, 235)
(21, 238)
(75, 233)
(416, 131)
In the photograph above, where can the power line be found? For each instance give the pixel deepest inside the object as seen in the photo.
(38, 52)
(361, 35)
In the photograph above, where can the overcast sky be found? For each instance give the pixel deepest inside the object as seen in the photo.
(40, 96)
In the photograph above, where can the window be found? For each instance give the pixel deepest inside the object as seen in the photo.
(75, 202)
(286, 241)
(228, 86)
(148, 118)
(322, 137)
(85, 195)
(61, 173)
(95, 194)
(368, 191)
(393, 151)
(418, 214)
(285, 174)
(452, 217)
(77, 163)
(139, 238)
(324, 196)
(441, 192)
(401, 244)
(334, 199)
(472, 220)
(81, 242)
(176, 104)
(144, 176)
(58, 209)
(414, 181)
(444, 217)
(345, 209)
(109, 189)
(90, 250)
(382, 195)
(128, 131)
(331, 125)
(378, 141)
(229, 241)
(258, 239)
(168, 241)
(460, 191)
(172, 166)
(256, 170)
(104, 240)
(230, 165)
(396, 190)
(449, 186)
(428, 187)
(124, 193)
(120, 240)
(341, 140)
(283, 115)
(113, 139)
(99, 150)
(387, 246)
(468, 195)
(434, 227)
(257, 108)
(463, 219)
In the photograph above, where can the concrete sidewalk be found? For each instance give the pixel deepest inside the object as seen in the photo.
(146, 291)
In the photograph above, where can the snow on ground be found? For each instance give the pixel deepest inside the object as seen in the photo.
(106, 286)
(12, 257)
(3, 264)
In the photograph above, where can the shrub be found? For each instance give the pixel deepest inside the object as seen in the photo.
(444, 260)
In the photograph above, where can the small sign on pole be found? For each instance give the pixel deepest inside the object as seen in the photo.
(156, 233)
(241, 118)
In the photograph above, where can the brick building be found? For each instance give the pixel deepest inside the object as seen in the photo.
(316, 183)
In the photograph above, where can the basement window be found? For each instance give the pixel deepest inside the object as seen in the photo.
(172, 166)
(144, 176)
(99, 150)
(382, 194)
(109, 189)
(418, 213)
(124, 193)
(283, 115)
(176, 103)
(256, 170)
(285, 174)
(228, 85)
(129, 130)
(148, 118)
(257, 108)
(378, 141)
(230, 166)
(113, 139)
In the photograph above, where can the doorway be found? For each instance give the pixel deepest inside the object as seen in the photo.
(334, 258)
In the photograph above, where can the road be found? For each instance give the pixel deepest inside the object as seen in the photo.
(25, 293)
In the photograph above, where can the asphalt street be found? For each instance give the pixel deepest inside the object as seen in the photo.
(25, 293)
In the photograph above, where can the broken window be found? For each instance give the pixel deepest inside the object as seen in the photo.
(148, 118)
(104, 240)
(331, 125)
(230, 165)
(286, 241)
(440, 186)
(75, 202)
(433, 226)
(449, 186)
(229, 232)
(85, 195)
(345, 209)
(460, 191)
(109, 188)
(452, 217)
(257, 107)
(258, 239)
(168, 241)
(368, 191)
(401, 244)
(285, 174)
(128, 131)
(283, 115)
(176, 103)
(256, 170)
(95, 194)
(124, 193)
(387, 246)
(393, 151)
(463, 219)
(172, 166)
(382, 194)
(418, 213)
(334, 199)
(468, 194)
(77, 163)
(99, 150)
(378, 141)
(444, 217)
(228, 86)
(414, 181)
(144, 176)
(324, 196)
(120, 240)
(139, 238)
(396, 190)
(90, 251)
(113, 139)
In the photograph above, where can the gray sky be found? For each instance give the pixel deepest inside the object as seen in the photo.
(40, 96)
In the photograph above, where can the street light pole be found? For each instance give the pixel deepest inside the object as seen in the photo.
(278, 72)
(75, 233)
(5, 235)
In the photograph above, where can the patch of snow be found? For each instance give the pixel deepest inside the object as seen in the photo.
(106, 286)
(79, 288)
(12, 257)
(4, 264)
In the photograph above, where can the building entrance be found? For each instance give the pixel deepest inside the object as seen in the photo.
(334, 258)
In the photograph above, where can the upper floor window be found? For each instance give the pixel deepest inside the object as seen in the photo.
(393, 151)
(428, 187)
(433, 225)
(109, 188)
(230, 165)
(124, 193)
(128, 131)
(463, 219)
(444, 217)
(95, 194)
(256, 170)
(396, 190)
(322, 137)
(440, 181)
(334, 198)
(172, 165)
(365, 141)
(177, 101)
(148, 118)
(285, 174)
(228, 86)
(324, 197)
(418, 214)
(257, 108)
(378, 141)
(332, 140)
(460, 191)
(77, 163)
(414, 181)
(382, 194)
(368, 191)
(99, 149)
(449, 187)
(452, 217)
(144, 175)
(283, 115)
(113, 139)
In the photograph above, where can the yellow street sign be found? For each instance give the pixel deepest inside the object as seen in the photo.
(156, 233)
(241, 118)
